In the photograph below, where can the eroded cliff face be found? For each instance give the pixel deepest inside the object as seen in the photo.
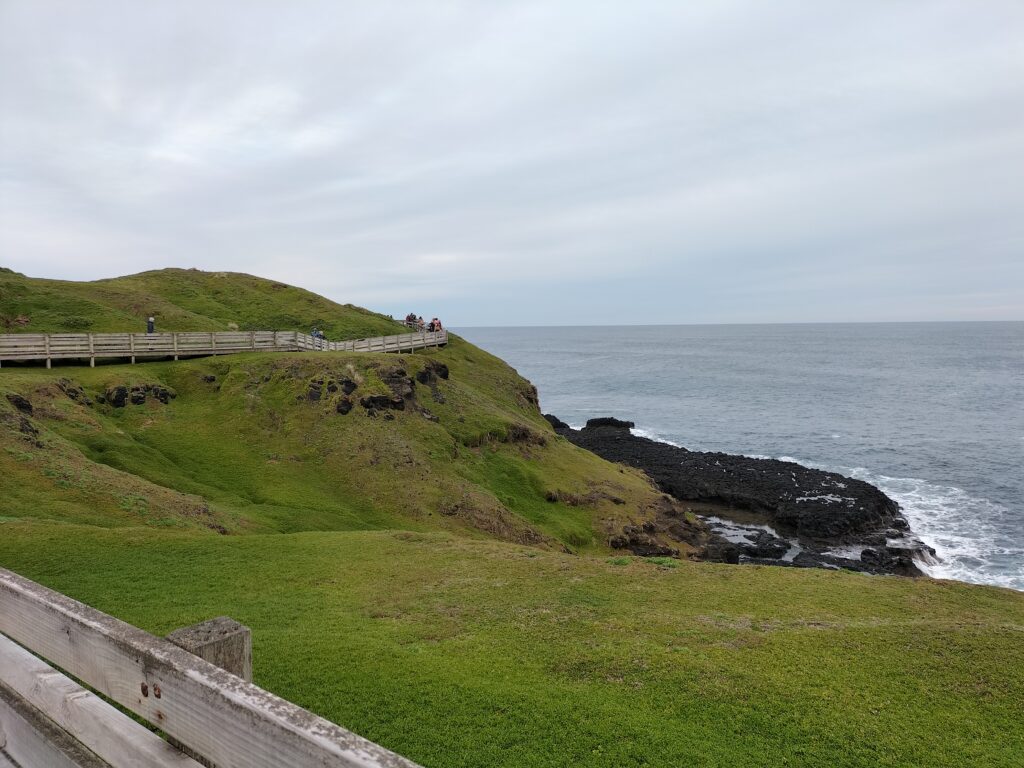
(776, 512)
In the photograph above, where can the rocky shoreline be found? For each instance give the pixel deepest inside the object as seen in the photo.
(776, 512)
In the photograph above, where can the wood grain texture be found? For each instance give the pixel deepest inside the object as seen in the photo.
(233, 723)
(111, 735)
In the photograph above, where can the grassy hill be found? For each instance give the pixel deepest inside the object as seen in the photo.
(180, 300)
(436, 577)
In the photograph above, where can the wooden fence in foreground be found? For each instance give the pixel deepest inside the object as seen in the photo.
(130, 346)
(47, 720)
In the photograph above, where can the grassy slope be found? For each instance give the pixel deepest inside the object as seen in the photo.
(473, 653)
(180, 300)
(250, 453)
(436, 639)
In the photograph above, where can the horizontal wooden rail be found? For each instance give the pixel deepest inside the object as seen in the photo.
(228, 721)
(131, 346)
(107, 732)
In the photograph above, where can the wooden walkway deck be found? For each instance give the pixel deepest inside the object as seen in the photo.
(133, 346)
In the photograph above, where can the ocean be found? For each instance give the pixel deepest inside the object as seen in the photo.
(931, 413)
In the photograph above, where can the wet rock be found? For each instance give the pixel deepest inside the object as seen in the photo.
(808, 502)
(209, 378)
(137, 395)
(314, 393)
(348, 386)
(766, 546)
(719, 550)
(344, 406)
(20, 403)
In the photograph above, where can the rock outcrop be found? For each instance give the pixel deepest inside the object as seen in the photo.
(811, 512)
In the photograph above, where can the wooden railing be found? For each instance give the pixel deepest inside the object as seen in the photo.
(131, 346)
(47, 719)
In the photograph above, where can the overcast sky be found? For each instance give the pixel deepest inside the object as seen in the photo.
(507, 163)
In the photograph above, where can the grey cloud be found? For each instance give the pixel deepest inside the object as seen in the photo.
(762, 162)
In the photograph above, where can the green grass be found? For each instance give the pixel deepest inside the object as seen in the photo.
(180, 300)
(380, 562)
(249, 453)
(460, 652)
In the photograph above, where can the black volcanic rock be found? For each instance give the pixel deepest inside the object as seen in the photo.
(555, 422)
(608, 422)
(808, 502)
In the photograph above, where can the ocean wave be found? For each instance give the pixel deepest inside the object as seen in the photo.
(650, 435)
(966, 531)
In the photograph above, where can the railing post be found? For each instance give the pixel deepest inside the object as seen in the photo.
(46, 344)
(222, 642)
(174, 341)
(131, 346)
(92, 353)
(213, 342)
(252, 340)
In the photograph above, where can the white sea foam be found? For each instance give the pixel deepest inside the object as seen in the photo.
(639, 432)
(828, 498)
(963, 529)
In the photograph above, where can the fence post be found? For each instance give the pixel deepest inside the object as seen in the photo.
(131, 346)
(221, 641)
(92, 353)
(224, 643)
(175, 342)
(213, 342)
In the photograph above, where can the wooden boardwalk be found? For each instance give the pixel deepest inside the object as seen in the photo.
(133, 346)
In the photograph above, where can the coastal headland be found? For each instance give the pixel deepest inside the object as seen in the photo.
(425, 560)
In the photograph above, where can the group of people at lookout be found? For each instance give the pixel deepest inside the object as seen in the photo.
(416, 323)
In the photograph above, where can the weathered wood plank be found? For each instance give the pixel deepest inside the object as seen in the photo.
(31, 740)
(110, 734)
(221, 641)
(229, 721)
